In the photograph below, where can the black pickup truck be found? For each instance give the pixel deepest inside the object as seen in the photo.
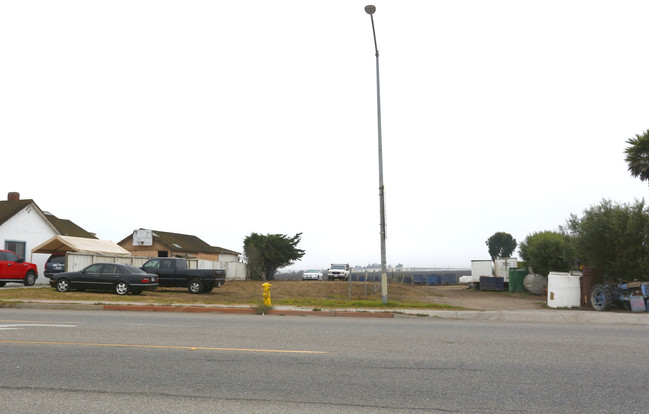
(173, 272)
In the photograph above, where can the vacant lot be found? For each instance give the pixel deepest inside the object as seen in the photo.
(320, 294)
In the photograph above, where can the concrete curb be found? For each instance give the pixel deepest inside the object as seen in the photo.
(547, 316)
(237, 309)
(247, 311)
(532, 316)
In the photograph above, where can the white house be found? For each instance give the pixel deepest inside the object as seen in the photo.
(23, 226)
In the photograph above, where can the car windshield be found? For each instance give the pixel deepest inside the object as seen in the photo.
(133, 269)
(311, 271)
(338, 267)
(59, 259)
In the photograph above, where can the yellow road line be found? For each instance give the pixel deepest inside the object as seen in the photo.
(191, 348)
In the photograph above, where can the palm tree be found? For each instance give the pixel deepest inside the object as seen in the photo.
(637, 155)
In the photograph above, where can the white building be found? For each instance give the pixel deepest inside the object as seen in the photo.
(23, 226)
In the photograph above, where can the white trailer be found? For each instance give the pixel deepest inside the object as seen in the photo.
(483, 268)
(480, 268)
(502, 266)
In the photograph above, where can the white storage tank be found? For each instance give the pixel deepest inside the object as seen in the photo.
(564, 290)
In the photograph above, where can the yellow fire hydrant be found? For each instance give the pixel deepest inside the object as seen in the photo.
(267, 293)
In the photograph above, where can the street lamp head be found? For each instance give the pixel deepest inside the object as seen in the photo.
(369, 9)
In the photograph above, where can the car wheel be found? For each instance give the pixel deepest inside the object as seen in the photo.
(30, 279)
(63, 285)
(195, 286)
(2, 284)
(121, 288)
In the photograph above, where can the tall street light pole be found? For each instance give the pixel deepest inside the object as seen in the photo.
(369, 9)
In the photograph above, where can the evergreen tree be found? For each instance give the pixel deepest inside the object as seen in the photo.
(267, 253)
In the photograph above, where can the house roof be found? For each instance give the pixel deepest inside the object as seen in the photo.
(182, 242)
(68, 228)
(62, 244)
(221, 250)
(8, 209)
(185, 243)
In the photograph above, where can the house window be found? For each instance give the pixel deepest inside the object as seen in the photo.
(163, 253)
(16, 247)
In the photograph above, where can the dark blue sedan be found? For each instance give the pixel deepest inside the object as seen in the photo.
(118, 278)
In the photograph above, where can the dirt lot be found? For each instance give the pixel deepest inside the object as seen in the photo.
(300, 293)
(454, 295)
(462, 297)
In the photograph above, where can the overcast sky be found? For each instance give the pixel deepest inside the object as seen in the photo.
(220, 119)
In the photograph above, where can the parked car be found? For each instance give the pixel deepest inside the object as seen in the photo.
(175, 272)
(54, 264)
(16, 269)
(338, 271)
(119, 278)
(312, 275)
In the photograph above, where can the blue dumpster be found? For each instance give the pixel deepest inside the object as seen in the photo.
(434, 280)
(448, 280)
(492, 283)
(419, 280)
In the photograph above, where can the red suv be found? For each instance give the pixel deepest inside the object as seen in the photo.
(16, 269)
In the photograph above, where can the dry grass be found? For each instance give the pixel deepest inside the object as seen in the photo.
(320, 294)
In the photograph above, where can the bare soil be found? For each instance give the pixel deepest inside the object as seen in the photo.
(458, 295)
(453, 295)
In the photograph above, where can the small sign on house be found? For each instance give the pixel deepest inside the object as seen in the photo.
(142, 237)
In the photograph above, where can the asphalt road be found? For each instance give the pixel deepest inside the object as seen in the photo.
(125, 362)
